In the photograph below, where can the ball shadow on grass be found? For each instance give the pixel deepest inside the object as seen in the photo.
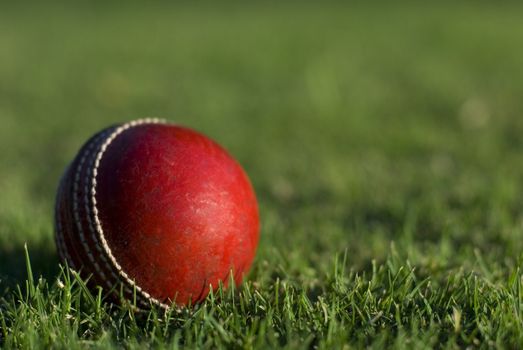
(13, 267)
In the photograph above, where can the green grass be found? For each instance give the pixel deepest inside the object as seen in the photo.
(384, 142)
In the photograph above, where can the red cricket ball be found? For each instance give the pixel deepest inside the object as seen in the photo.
(158, 209)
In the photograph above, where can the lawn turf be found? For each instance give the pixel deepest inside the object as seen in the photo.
(384, 143)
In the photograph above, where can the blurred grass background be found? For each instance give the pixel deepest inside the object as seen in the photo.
(360, 124)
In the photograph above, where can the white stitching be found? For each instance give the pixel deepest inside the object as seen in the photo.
(97, 223)
(91, 227)
(76, 214)
(91, 175)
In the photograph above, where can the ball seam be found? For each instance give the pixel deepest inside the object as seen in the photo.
(76, 206)
(98, 229)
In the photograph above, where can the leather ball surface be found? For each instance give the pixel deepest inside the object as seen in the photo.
(159, 209)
